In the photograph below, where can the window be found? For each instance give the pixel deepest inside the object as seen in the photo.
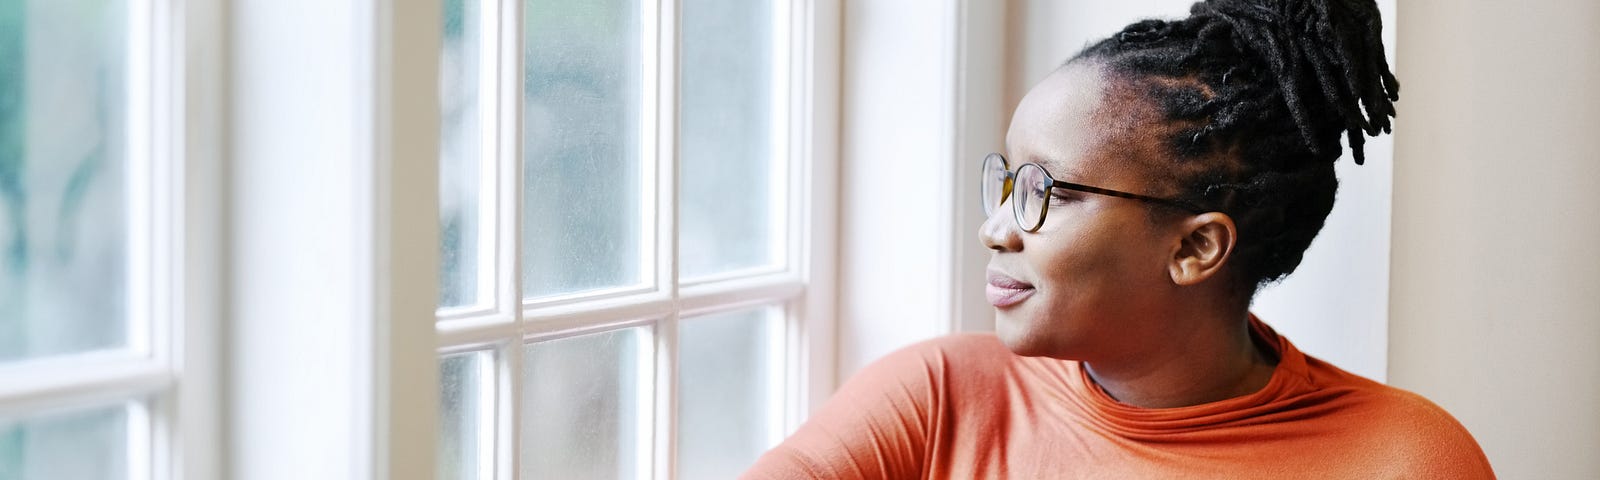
(627, 225)
(94, 276)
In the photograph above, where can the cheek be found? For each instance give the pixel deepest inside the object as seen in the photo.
(1071, 260)
(1071, 272)
(1088, 279)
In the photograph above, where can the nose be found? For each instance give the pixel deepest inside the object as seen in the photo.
(999, 231)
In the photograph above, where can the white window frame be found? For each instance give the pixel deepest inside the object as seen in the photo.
(802, 287)
(174, 246)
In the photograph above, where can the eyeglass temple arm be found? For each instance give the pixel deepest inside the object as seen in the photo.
(1115, 193)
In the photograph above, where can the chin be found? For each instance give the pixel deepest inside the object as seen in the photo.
(1018, 335)
(1034, 337)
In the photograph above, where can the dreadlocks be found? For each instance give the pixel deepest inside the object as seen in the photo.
(1262, 91)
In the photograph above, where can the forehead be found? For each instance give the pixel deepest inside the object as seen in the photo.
(1077, 123)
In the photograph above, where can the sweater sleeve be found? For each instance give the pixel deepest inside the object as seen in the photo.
(877, 426)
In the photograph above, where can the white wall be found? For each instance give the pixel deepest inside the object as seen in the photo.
(922, 102)
(1496, 277)
(1335, 306)
(897, 112)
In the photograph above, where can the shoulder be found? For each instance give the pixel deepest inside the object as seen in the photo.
(1401, 411)
(883, 421)
(1409, 429)
(1411, 418)
(928, 377)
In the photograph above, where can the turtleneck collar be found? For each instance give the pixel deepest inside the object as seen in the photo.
(1290, 378)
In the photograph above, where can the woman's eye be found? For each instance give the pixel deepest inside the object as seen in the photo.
(1062, 198)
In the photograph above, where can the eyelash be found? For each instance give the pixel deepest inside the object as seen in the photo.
(1060, 198)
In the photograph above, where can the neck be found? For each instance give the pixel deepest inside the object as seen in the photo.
(1215, 359)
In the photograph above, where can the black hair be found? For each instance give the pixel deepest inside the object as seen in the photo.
(1259, 93)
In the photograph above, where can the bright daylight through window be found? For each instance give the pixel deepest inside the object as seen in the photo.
(623, 235)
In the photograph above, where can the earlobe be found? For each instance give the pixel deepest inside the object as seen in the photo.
(1206, 243)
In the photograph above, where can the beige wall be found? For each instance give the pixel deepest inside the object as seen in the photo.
(1495, 300)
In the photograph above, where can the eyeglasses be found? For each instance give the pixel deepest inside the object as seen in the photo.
(1030, 188)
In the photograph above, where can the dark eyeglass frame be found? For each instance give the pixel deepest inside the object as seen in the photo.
(1051, 183)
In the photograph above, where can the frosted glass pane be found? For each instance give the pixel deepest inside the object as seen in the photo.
(84, 444)
(580, 407)
(582, 220)
(459, 155)
(726, 144)
(464, 391)
(723, 402)
(63, 149)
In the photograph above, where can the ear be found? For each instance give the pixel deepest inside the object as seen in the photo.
(1204, 247)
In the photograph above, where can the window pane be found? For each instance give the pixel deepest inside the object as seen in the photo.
(581, 407)
(85, 444)
(459, 155)
(63, 226)
(723, 400)
(582, 221)
(726, 144)
(464, 379)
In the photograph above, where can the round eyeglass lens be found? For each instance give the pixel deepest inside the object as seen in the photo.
(1031, 189)
(993, 189)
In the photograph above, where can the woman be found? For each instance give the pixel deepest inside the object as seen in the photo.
(1150, 186)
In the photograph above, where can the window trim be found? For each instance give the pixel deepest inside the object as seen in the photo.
(813, 345)
(187, 438)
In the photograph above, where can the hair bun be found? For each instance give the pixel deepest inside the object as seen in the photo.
(1323, 52)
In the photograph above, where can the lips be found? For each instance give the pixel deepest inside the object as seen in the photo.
(1004, 291)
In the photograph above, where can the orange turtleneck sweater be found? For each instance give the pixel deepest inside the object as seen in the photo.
(964, 407)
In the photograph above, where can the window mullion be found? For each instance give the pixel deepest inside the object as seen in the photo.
(141, 438)
(783, 157)
(733, 295)
(497, 157)
(81, 380)
(596, 311)
(144, 183)
(508, 412)
(508, 96)
(780, 390)
(504, 99)
(479, 332)
(666, 45)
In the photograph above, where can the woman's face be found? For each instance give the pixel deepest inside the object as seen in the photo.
(1093, 281)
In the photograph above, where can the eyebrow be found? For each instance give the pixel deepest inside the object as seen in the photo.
(1052, 167)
